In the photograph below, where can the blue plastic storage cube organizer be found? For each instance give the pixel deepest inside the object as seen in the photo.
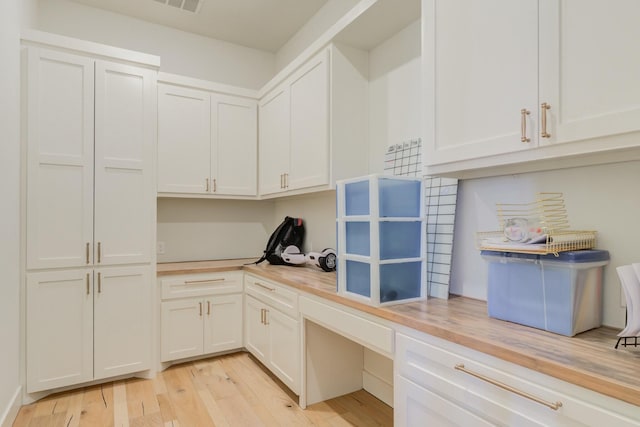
(381, 239)
(559, 294)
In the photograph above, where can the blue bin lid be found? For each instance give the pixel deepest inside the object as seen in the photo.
(586, 255)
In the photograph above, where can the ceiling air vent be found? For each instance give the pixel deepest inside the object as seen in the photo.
(188, 5)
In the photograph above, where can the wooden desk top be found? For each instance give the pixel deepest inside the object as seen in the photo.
(587, 360)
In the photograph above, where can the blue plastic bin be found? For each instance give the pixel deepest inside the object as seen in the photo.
(558, 294)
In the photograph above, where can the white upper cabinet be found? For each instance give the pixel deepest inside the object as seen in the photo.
(309, 127)
(90, 143)
(312, 124)
(480, 71)
(184, 147)
(589, 68)
(234, 151)
(274, 140)
(207, 141)
(125, 107)
(513, 83)
(59, 159)
(294, 130)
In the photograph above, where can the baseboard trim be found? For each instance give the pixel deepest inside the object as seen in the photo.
(11, 412)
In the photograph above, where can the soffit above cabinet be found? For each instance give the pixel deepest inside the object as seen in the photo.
(380, 22)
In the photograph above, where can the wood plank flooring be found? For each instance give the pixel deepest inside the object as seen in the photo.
(230, 390)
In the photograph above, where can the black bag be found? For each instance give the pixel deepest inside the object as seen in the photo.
(289, 233)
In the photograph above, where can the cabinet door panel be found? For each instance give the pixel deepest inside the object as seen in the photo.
(223, 323)
(284, 348)
(483, 70)
(234, 137)
(274, 141)
(59, 329)
(591, 95)
(181, 326)
(184, 146)
(309, 164)
(122, 321)
(256, 332)
(59, 159)
(416, 406)
(124, 147)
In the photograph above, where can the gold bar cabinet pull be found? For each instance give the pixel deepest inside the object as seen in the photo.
(99, 252)
(543, 113)
(281, 180)
(87, 252)
(523, 125)
(200, 304)
(99, 283)
(208, 308)
(264, 287)
(88, 284)
(207, 181)
(215, 185)
(552, 405)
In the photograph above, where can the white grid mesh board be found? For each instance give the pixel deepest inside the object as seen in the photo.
(405, 159)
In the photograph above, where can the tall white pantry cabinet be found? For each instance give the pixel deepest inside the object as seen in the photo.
(90, 216)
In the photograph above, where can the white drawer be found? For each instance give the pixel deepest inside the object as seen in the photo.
(355, 327)
(504, 391)
(192, 285)
(276, 295)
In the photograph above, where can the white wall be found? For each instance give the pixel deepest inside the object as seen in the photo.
(602, 198)
(319, 213)
(202, 229)
(10, 21)
(394, 93)
(181, 52)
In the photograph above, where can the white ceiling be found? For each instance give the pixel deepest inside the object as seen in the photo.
(260, 24)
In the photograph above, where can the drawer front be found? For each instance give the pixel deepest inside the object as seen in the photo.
(417, 407)
(193, 285)
(502, 390)
(276, 295)
(364, 331)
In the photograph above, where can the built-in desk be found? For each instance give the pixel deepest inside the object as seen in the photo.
(587, 360)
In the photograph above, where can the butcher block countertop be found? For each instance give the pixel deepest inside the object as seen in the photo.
(587, 360)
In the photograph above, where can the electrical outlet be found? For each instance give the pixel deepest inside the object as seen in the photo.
(160, 248)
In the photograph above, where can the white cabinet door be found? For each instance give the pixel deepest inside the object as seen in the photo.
(234, 149)
(122, 320)
(274, 141)
(309, 97)
(417, 407)
(125, 123)
(588, 68)
(184, 146)
(480, 71)
(59, 330)
(223, 323)
(256, 332)
(284, 349)
(59, 160)
(182, 328)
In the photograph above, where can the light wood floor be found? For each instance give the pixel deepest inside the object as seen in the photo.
(231, 390)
